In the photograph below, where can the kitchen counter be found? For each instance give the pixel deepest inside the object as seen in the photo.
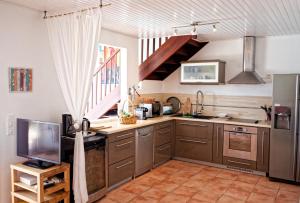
(114, 126)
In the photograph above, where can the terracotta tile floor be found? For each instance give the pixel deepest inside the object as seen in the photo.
(183, 182)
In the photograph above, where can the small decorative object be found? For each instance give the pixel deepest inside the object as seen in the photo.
(268, 111)
(127, 117)
(20, 79)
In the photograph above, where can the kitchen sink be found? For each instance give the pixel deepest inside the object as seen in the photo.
(194, 116)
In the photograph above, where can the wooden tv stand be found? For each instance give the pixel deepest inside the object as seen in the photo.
(21, 192)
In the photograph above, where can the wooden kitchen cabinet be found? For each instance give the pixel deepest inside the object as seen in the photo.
(194, 140)
(218, 138)
(121, 157)
(263, 149)
(163, 136)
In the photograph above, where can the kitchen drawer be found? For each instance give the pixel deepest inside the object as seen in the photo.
(121, 150)
(120, 135)
(120, 171)
(162, 136)
(193, 149)
(167, 124)
(162, 154)
(239, 163)
(194, 129)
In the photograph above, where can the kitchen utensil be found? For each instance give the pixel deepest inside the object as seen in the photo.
(141, 113)
(167, 109)
(175, 102)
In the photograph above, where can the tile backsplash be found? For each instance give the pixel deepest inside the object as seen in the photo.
(234, 106)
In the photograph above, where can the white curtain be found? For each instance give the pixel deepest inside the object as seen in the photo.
(73, 40)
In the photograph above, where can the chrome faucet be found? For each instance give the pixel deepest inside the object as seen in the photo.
(197, 101)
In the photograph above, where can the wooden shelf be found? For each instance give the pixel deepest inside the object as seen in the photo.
(26, 187)
(37, 193)
(31, 197)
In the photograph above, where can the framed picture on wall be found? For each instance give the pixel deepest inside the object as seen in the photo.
(20, 79)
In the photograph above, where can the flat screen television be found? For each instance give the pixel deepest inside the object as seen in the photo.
(39, 141)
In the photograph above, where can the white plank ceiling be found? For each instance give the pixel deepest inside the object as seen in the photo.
(148, 18)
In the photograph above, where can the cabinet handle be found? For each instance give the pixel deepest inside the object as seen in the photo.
(262, 147)
(123, 165)
(190, 124)
(238, 162)
(124, 135)
(195, 141)
(166, 147)
(164, 132)
(218, 141)
(126, 143)
(164, 125)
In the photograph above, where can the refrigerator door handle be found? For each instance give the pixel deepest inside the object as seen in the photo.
(296, 134)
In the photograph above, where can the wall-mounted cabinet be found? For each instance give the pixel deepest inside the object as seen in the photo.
(203, 72)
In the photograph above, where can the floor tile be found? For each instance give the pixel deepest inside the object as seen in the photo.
(221, 181)
(243, 186)
(215, 187)
(265, 182)
(265, 191)
(135, 188)
(154, 194)
(207, 196)
(185, 174)
(146, 180)
(227, 199)
(174, 198)
(192, 169)
(156, 175)
(167, 170)
(248, 178)
(140, 199)
(287, 196)
(260, 198)
(166, 186)
(106, 200)
(289, 187)
(230, 175)
(121, 196)
(210, 171)
(203, 177)
(186, 191)
(196, 184)
(177, 180)
(237, 193)
(175, 164)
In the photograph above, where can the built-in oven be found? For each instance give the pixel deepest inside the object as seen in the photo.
(240, 142)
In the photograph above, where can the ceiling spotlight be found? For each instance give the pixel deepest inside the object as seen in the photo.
(175, 32)
(214, 28)
(194, 31)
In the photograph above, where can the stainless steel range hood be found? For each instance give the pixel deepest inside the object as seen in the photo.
(248, 75)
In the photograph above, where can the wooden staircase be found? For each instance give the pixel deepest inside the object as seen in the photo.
(167, 58)
(105, 88)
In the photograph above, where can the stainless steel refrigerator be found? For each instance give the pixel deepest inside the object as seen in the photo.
(284, 139)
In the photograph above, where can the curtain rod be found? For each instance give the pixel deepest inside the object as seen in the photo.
(101, 5)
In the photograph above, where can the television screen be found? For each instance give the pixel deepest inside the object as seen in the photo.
(38, 140)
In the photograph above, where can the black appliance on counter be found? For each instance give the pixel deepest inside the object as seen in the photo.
(95, 164)
(67, 125)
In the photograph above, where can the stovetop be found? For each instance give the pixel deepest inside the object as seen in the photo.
(242, 120)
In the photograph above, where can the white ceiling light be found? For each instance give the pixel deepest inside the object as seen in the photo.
(214, 28)
(194, 31)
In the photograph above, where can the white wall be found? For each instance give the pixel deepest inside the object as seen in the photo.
(24, 43)
(273, 55)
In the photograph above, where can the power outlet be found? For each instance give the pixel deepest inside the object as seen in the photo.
(11, 124)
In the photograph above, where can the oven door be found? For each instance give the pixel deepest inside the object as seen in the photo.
(240, 145)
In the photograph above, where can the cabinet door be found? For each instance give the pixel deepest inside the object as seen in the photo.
(263, 148)
(218, 138)
(162, 154)
(162, 136)
(194, 129)
(120, 150)
(195, 149)
(120, 171)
